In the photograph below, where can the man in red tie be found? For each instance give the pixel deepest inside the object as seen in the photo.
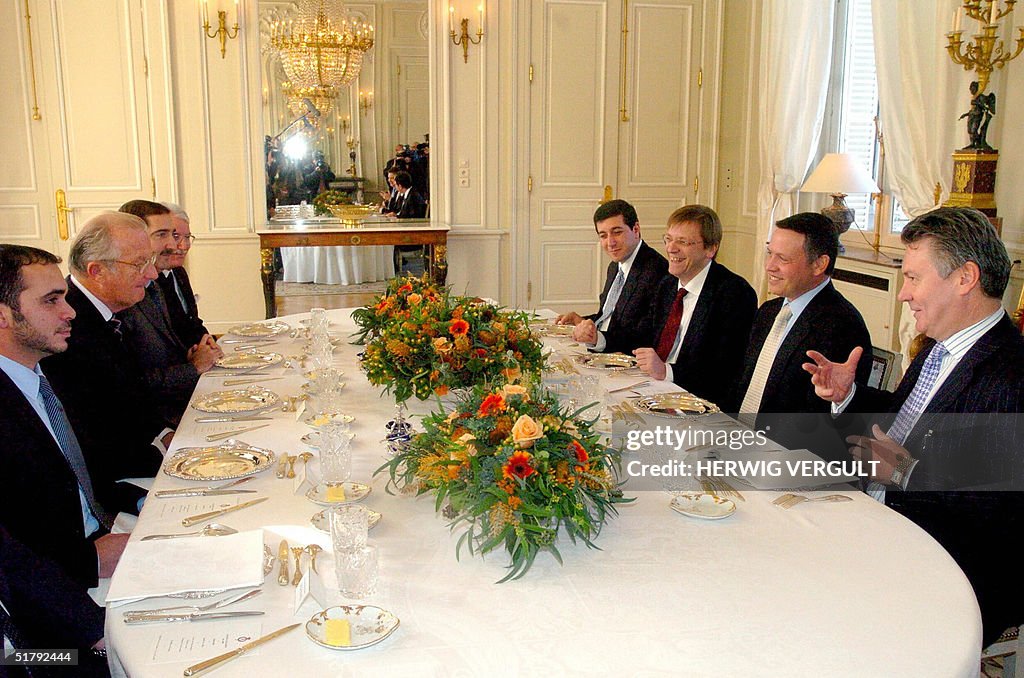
(702, 311)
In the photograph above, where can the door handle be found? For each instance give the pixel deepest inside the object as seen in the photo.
(62, 215)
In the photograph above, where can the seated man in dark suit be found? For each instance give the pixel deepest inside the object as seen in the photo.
(97, 377)
(702, 312)
(633, 277)
(953, 423)
(51, 499)
(809, 314)
(408, 203)
(47, 609)
(176, 285)
(171, 367)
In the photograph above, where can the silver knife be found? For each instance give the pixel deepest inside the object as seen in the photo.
(174, 494)
(249, 380)
(148, 617)
(218, 420)
(202, 666)
(202, 517)
(227, 434)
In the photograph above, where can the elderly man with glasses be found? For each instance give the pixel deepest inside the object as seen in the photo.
(171, 363)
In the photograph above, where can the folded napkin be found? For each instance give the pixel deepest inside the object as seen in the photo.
(165, 566)
(780, 469)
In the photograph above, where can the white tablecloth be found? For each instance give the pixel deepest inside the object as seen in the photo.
(845, 589)
(338, 265)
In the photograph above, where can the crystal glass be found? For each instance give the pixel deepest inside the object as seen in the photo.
(335, 455)
(317, 322)
(349, 525)
(357, 571)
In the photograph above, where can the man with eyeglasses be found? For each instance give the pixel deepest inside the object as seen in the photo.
(701, 314)
(97, 377)
(175, 283)
(634, 274)
(171, 366)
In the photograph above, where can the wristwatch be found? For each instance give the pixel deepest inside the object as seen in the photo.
(903, 464)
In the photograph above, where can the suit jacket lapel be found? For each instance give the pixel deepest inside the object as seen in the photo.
(699, 319)
(959, 378)
(153, 307)
(632, 281)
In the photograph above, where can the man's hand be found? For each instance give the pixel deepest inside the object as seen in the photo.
(109, 548)
(203, 357)
(585, 332)
(649, 363)
(881, 448)
(166, 440)
(212, 343)
(833, 381)
(570, 318)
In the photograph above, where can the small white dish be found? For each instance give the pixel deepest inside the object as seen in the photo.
(353, 492)
(368, 625)
(311, 439)
(320, 419)
(703, 505)
(322, 521)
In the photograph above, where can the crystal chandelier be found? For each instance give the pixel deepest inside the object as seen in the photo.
(321, 97)
(321, 47)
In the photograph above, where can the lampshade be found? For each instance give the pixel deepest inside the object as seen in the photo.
(840, 173)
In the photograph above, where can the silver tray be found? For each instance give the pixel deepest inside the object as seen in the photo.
(266, 329)
(607, 361)
(218, 462)
(237, 400)
(368, 625)
(674, 405)
(247, 361)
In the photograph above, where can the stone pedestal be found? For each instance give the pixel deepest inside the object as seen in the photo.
(974, 181)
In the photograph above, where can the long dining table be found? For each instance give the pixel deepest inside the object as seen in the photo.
(824, 589)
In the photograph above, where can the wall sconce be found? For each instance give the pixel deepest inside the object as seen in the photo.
(222, 33)
(365, 101)
(345, 125)
(464, 38)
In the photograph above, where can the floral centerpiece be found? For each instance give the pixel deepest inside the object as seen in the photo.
(514, 469)
(323, 201)
(401, 293)
(427, 342)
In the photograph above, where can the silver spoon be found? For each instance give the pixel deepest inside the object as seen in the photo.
(211, 530)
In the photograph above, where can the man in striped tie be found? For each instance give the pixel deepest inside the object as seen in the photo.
(49, 494)
(633, 277)
(948, 441)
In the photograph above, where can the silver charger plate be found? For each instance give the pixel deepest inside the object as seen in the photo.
(322, 521)
(237, 400)
(266, 329)
(218, 462)
(703, 505)
(674, 405)
(353, 492)
(368, 625)
(245, 361)
(607, 361)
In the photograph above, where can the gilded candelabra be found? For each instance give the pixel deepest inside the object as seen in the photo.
(463, 38)
(352, 142)
(986, 52)
(222, 33)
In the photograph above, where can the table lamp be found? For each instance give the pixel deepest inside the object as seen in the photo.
(839, 174)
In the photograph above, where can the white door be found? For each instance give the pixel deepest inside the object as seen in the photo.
(613, 114)
(93, 138)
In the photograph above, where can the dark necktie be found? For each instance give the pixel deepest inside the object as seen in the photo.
(179, 316)
(115, 325)
(667, 338)
(69, 446)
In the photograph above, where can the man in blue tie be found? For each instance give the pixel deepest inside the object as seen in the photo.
(948, 441)
(50, 502)
(633, 277)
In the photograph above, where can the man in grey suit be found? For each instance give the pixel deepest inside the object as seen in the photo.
(171, 367)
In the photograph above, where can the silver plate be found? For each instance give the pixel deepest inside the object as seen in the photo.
(607, 361)
(249, 399)
(703, 505)
(353, 492)
(546, 329)
(218, 462)
(312, 439)
(245, 361)
(267, 329)
(674, 405)
(368, 625)
(322, 521)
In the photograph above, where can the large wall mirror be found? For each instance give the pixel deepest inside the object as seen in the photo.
(386, 106)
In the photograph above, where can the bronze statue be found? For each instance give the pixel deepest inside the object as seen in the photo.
(983, 107)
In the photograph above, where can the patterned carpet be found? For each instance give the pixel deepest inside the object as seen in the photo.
(287, 289)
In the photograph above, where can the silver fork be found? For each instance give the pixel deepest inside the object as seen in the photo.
(230, 600)
(790, 500)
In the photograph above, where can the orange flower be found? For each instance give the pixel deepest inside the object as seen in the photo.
(518, 466)
(481, 353)
(514, 502)
(491, 405)
(407, 287)
(453, 471)
(458, 327)
(511, 373)
(581, 452)
(525, 431)
(441, 390)
(414, 299)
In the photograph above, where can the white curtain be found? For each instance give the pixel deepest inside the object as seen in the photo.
(921, 94)
(796, 55)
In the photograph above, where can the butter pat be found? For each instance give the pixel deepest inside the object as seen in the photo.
(338, 632)
(335, 493)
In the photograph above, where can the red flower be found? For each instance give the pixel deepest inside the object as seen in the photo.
(407, 287)
(481, 353)
(458, 327)
(491, 405)
(518, 466)
(581, 453)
